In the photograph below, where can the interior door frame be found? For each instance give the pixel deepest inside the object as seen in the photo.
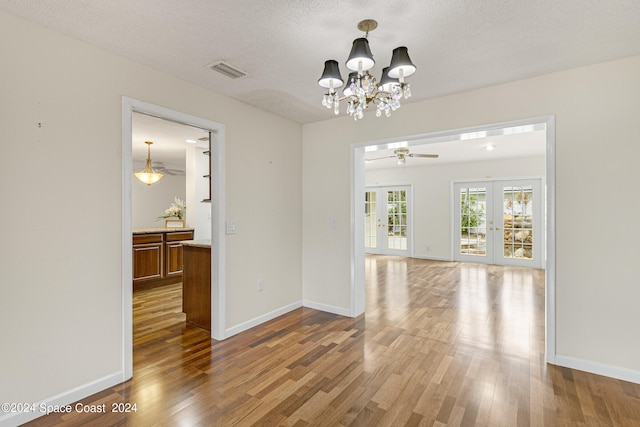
(493, 242)
(218, 257)
(357, 178)
(409, 188)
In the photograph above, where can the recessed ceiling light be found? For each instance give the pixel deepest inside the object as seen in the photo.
(191, 141)
(489, 147)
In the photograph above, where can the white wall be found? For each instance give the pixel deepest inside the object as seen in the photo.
(61, 291)
(150, 201)
(432, 195)
(597, 150)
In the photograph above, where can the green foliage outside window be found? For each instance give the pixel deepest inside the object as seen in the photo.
(472, 213)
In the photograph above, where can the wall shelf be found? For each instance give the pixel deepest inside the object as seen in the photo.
(208, 176)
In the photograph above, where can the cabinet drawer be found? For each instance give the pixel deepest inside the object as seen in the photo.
(146, 238)
(184, 235)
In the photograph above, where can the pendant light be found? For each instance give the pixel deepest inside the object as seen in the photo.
(148, 175)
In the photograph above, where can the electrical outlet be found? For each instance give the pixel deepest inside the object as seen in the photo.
(428, 248)
(260, 285)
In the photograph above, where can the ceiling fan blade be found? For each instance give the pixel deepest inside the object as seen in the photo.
(380, 158)
(167, 171)
(175, 172)
(429, 156)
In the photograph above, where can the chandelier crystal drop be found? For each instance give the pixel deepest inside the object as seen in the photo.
(362, 89)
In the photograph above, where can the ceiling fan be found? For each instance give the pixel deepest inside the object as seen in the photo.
(160, 167)
(402, 154)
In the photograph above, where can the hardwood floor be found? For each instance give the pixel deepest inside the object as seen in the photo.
(440, 344)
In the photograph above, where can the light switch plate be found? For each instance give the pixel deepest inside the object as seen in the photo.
(231, 227)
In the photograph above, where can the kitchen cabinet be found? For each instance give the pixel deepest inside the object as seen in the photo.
(157, 256)
(173, 252)
(147, 256)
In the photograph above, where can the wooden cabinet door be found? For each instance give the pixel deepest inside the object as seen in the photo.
(173, 252)
(147, 261)
(173, 258)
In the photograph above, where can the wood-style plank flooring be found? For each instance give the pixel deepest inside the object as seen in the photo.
(441, 343)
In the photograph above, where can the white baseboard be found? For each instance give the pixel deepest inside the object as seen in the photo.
(234, 330)
(328, 308)
(431, 257)
(65, 398)
(616, 372)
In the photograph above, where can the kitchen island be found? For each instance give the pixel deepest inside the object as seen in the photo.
(196, 282)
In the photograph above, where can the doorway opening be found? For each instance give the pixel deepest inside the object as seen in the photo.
(214, 221)
(359, 151)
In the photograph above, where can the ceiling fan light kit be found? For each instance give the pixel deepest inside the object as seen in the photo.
(148, 175)
(362, 89)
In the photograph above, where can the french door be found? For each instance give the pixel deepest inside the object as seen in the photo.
(499, 222)
(388, 220)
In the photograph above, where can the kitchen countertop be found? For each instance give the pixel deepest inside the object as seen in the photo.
(201, 243)
(159, 230)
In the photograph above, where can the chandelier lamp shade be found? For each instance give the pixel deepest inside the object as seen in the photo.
(148, 175)
(361, 89)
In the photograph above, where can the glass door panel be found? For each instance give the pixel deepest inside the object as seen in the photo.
(517, 222)
(473, 225)
(370, 219)
(397, 220)
(520, 234)
(387, 220)
(499, 222)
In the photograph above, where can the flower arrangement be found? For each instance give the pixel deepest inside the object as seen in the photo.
(176, 209)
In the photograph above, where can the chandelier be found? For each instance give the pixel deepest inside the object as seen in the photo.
(361, 88)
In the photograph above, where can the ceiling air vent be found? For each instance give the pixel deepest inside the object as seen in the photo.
(227, 69)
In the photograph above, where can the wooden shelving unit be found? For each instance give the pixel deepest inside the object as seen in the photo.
(208, 176)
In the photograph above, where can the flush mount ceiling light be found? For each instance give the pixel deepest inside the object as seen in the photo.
(148, 175)
(362, 89)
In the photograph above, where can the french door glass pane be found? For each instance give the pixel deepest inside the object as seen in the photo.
(518, 222)
(370, 218)
(473, 226)
(397, 219)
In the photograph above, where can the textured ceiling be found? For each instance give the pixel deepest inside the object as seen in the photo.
(457, 45)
